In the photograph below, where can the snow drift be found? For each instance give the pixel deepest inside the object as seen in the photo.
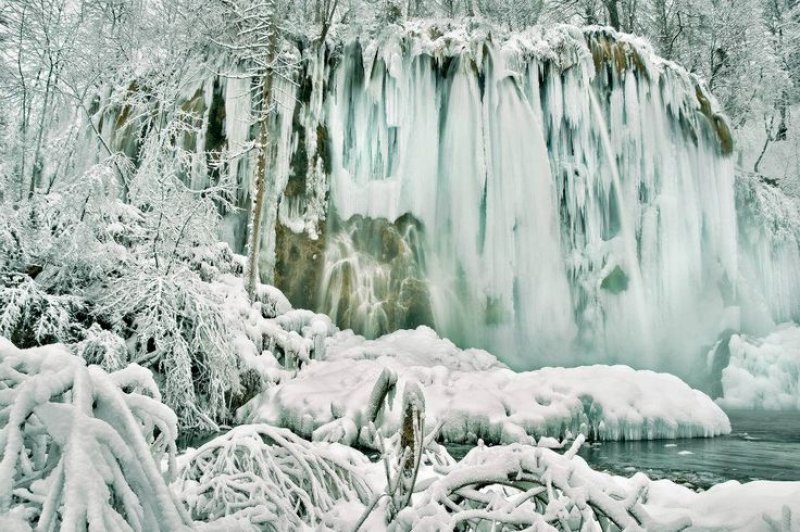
(473, 396)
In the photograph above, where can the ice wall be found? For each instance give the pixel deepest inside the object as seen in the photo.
(558, 196)
(574, 194)
(769, 249)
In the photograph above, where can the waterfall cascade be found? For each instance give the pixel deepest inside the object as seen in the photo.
(559, 196)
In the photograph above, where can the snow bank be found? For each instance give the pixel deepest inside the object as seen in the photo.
(753, 507)
(763, 373)
(475, 397)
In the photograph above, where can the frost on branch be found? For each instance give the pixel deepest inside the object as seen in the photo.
(272, 479)
(80, 446)
(521, 487)
(180, 329)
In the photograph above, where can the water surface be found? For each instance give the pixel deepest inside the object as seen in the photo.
(761, 446)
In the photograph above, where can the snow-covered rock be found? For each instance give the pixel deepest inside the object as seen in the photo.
(763, 372)
(474, 396)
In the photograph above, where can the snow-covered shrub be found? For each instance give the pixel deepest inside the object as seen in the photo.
(30, 316)
(180, 329)
(518, 487)
(80, 446)
(275, 479)
(104, 348)
(213, 261)
(74, 235)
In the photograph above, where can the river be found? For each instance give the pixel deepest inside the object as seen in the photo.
(762, 446)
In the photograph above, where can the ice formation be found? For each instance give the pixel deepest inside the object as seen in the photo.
(572, 196)
(560, 196)
(769, 250)
(763, 372)
(474, 396)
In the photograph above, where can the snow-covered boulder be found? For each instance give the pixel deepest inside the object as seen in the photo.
(473, 396)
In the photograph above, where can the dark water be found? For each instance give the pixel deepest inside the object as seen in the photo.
(762, 446)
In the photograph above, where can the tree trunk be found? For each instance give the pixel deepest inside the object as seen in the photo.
(613, 13)
(262, 169)
(38, 164)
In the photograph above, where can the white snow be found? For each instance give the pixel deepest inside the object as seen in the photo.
(258, 474)
(763, 372)
(730, 506)
(98, 437)
(475, 396)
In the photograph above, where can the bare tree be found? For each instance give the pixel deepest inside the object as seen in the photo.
(254, 38)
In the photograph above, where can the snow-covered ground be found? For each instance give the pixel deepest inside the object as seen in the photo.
(258, 476)
(475, 397)
(763, 372)
(514, 484)
(752, 507)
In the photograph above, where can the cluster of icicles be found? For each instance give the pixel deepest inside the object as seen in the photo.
(570, 195)
(577, 204)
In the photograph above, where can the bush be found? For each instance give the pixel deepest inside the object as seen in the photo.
(81, 447)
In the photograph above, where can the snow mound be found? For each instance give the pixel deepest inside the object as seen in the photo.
(763, 373)
(759, 506)
(473, 396)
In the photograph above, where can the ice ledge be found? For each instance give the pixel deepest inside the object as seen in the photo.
(474, 397)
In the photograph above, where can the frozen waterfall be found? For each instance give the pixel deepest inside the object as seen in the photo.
(559, 196)
(571, 196)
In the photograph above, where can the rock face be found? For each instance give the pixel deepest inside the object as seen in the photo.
(559, 196)
(374, 276)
